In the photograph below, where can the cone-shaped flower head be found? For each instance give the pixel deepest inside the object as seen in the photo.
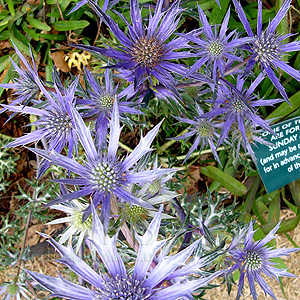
(55, 123)
(254, 259)
(268, 47)
(146, 52)
(215, 48)
(27, 87)
(9, 291)
(98, 101)
(238, 104)
(104, 174)
(143, 283)
(205, 131)
(76, 228)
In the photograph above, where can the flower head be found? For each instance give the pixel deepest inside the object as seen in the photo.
(254, 259)
(76, 228)
(98, 101)
(104, 174)
(268, 47)
(55, 123)
(13, 291)
(27, 87)
(237, 104)
(146, 52)
(143, 283)
(215, 48)
(205, 130)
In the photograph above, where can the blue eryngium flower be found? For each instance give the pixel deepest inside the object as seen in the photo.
(205, 130)
(254, 259)
(27, 87)
(55, 123)
(146, 52)
(104, 175)
(98, 101)
(143, 283)
(238, 105)
(268, 47)
(215, 48)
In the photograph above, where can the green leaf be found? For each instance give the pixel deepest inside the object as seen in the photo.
(11, 8)
(230, 183)
(218, 13)
(284, 109)
(70, 25)
(38, 24)
(52, 37)
(4, 62)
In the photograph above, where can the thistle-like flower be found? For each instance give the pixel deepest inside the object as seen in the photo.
(104, 174)
(206, 131)
(237, 103)
(27, 87)
(215, 48)
(76, 228)
(98, 101)
(140, 284)
(12, 290)
(55, 123)
(268, 47)
(254, 259)
(146, 52)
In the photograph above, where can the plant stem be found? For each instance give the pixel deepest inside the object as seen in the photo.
(166, 145)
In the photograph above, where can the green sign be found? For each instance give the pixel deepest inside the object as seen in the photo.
(279, 164)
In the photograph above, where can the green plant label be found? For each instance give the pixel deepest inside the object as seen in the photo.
(279, 163)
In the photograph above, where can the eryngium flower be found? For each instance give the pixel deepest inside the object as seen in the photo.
(12, 290)
(254, 259)
(237, 103)
(55, 123)
(27, 87)
(268, 47)
(143, 283)
(76, 228)
(146, 52)
(206, 131)
(104, 174)
(215, 48)
(98, 101)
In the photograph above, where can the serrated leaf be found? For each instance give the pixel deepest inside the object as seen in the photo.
(70, 25)
(38, 24)
(227, 181)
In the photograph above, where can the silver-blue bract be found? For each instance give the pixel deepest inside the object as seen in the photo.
(254, 259)
(165, 280)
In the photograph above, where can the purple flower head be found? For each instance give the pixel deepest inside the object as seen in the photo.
(146, 52)
(254, 259)
(104, 175)
(98, 102)
(215, 48)
(27, 87)
(268, 47)
(237, 103)
(204, 129)
(143, 283)
(55, 123)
